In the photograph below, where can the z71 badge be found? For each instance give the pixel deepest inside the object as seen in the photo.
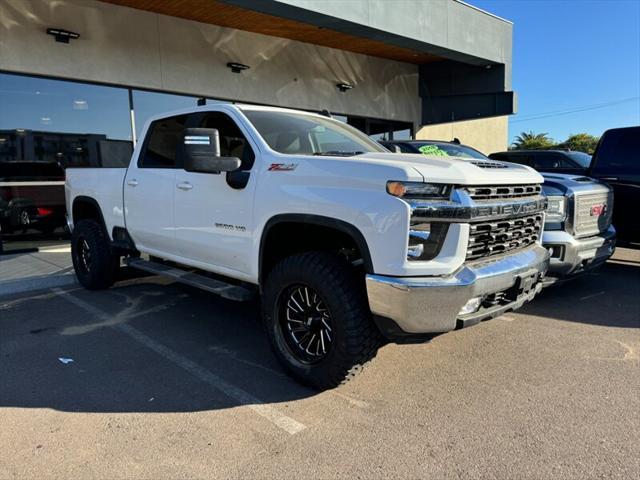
(282, 167)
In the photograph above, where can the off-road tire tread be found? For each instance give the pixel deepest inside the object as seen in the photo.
(104, 268)
(362, 337)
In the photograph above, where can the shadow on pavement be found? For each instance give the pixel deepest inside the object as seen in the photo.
(112, 371)
(115, 370)
(610, 297)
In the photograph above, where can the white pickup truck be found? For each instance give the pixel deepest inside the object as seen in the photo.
(346, 243)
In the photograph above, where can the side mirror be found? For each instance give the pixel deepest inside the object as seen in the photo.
(201, 147)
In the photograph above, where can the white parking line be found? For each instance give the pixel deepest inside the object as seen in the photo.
(592, 295)
(287, 424)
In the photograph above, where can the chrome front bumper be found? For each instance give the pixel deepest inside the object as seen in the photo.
(417, 305)
(577, 255)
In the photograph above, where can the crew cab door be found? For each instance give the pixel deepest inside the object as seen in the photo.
(149, 187)
(214, 211)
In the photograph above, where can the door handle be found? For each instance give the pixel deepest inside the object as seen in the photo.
(184, 186)
(132, 183)
(609, 179)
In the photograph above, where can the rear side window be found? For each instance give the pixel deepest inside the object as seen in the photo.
(163, 140)
(404, 148)
(619, 152)
(547, 161)
(578, 160)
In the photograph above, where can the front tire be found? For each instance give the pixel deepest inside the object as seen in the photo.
(93, 260)
(318, 320)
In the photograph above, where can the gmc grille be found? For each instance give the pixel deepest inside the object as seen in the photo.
(588, 217)
(503, 191)
(493, 238)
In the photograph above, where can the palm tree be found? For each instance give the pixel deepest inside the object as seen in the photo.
(532, 141)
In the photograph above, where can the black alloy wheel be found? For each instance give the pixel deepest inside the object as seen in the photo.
(84, 255)
(305, 323)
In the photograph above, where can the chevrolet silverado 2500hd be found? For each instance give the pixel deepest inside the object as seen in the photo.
(344, 241)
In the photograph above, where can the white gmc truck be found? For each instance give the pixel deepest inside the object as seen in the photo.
(345, 242)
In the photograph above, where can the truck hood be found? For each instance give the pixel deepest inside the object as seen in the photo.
(565, 184)
(456, 170)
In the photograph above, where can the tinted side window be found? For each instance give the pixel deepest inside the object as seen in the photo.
(566, 162)
(163, 140)
(620, 151)
(233, 143)
(544, 160)
(404, 148)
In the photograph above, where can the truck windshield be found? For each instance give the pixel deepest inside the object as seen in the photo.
(302, 134)
(582, 159)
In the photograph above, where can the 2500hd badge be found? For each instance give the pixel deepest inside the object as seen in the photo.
(226, 226)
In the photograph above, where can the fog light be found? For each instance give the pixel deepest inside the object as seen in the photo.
(556, 251)
(415, 251)
(471, 306)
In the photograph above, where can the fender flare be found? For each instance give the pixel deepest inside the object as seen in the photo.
(92, 201)
(319, 220)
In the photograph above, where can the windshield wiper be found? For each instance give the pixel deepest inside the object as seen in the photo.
(338, 153)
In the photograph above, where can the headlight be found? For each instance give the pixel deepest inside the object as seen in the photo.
(418, 190)
(556, 209)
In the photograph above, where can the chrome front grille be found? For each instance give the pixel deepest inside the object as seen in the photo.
(493, 238)
(503, 191)
(592, 213)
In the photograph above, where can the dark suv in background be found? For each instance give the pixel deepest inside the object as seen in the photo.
(617, 162)
(554, 161)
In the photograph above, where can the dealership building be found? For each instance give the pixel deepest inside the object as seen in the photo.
(79, 78)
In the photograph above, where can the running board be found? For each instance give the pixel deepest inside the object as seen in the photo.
(226, 290)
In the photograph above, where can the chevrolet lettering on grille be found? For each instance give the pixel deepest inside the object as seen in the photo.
(452, 212)
(509, 209)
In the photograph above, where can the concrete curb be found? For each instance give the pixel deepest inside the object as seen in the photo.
(30, 284)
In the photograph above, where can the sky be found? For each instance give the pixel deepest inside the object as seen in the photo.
(570, 56)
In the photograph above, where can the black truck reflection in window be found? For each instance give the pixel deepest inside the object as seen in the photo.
(32, 165)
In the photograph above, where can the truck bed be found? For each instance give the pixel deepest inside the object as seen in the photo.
(101, 184)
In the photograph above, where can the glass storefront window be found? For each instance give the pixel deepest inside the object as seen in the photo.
(148, 104)
(46, 126)
(215, 101)
(381, 130)
(404, 134)
(68, 123)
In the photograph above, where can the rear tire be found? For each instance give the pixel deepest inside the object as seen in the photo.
(93, 260)
(318, 320)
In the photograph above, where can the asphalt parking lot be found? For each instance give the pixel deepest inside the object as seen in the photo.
(170, 382)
